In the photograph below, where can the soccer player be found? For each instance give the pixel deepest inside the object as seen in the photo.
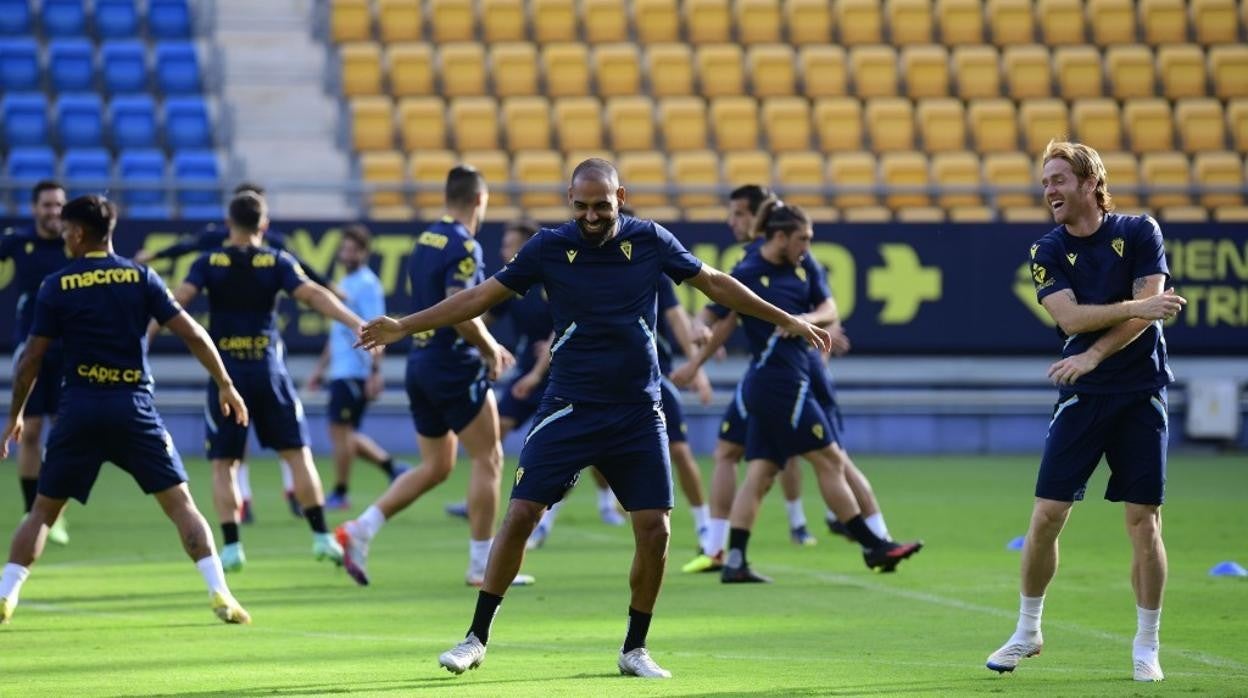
(1102, 278)
(354, 375)
(449, 371)
(243, 280)
(99, 306)
(601, 272)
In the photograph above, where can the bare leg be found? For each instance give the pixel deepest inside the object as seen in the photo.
(507, 553)
(368, 449)
(481, 440)
(1148, 562)
(193, 530)
(687, 472)
(32, 534)
(791, 481)
(651, 532)
(437, 455)
(307, 480)
(724, 479)
(861, 486)
(30, 454)
(1039, 565)
(760, 474)
(342, 437)
(225, 496)
(829, 464)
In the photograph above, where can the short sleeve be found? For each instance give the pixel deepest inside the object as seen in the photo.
(289, 273)
(524, 269)
(161, 304)
(1149, 256)
(818, 279)
(463, 265)
(47, 322)
(677, 262)
(198, 275)
(667, 295)
(1047, 273)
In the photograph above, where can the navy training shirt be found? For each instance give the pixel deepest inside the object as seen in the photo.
(1100, 269)
(445, 257)
(213, 237)
(34, 258)
(602, 299)
(531, 321)
(100, 305)
(793, 289)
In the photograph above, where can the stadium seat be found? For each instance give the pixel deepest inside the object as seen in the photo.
(993, 125)
(1079, 72)
(539, 168)
(475, 123)
(495, 166)
(1184, 214)
(875, 71)
(927, 71)
(71, 65)
(1229, 67)
(606, 21)
(15, 18)
(1028, 214)
(24, 119)
(978, 72)
(60, 18)
(125, 66)
(907, 169)
(372, 123)
(513, 68)
(196, 167)
(859, 21)
(141, 166)
(1027, 71)
(1112, 21)
(168, 19)
(746, 167)
(734, 121)
(463, 69)
(1148, 124)
(1231, 214)
(452, 21)
(116, 19)
(80, 121)
(720, 70)
(617, 70)
(683, 121)
(427, 171)
(578, 121)
(838, 123)
(177, 68)
(909, 22)
(92, 165)
(867, 214)
(823, 71)
(1182, 70)
(422, 123)
(361, 69)
(942, 124)
(630, 121)
(786, 121)
(384, 167)
(349, 20)
(1237, 121)
(1098, 123)
(1043, 120)
(31, 163)
(502, 20)
(890, 123)
(187, 124)
(1164, 21)
(757, 21)
(801, 169)
(1220, 170)
(854, 171)
(411, 69)
(972, 214)
(670, 67)
(961, 22)
(1201, 124)
(553, 20)
(657, 21)
(957, 169)
(809, 22)
(642, 171)
(1163, 170)
(1215, 21)
(1131, 71)
(567, 69)
(133, 122)
(400, 20)
(1124, 177)
(1011, 22)
(772, 70)
(707, 21)
(698, 168)
(921, 214)
(1015, 175)
(1061, 21)
(19, 64)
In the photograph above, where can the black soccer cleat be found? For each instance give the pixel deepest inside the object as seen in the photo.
(886, 557)
(742, 575)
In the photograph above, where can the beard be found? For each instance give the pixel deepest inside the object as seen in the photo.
(604, 231)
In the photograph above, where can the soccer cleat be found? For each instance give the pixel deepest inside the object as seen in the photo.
(800, 536)
(337, 502)
(1013, 652)
(537, 538)
(58, 532)
(229, 610)
(324, 547)
(468, 654)
(6, 610)
(354, 553)
(232, 557)
(742, 575)
(704, 563)
(399, 468)
(521, 580)
(638, 662)
(837, 528)
(245, 514)
(886, 557)
(1148, 669)
(293, 502)
(457, 509)
(611, 516)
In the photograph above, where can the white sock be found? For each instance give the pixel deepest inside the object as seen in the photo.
(701, 515)
(1029, 610)
(875, 522)
(548, 518)
(214, 576)
(606, 499)
(11, 581)
(797, 517)
(370, 522)
(1148, 623)
(244, 481)
(478, 555)
(829, 515)
(716, 533)
(288, 480)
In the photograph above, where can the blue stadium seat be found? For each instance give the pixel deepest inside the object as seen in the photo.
(143, 166)
(15, 18)
(203, 212)
(169, 19)
(25, 118)
(93, 165)
(19, 65)
(196, 167)
(71, 65)
(116, 19)
(31, 163)
(146, 212)
(177, 68)
(63, 18)
(133, 122)
(125, 66)
(186, 123)
(80, 121)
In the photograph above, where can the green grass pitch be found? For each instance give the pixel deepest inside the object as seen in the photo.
(122, 612)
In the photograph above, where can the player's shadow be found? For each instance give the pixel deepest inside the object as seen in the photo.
(398, 686)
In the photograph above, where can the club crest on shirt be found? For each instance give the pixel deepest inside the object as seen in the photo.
(1118, 244)
(1034, 250)
(817, 430)
(627, 248)
(766, 282)
(571, 255)
(801, 273)
(519, 475)
(1071, 257)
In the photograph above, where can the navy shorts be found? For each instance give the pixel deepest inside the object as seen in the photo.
(626, 442)
(1129, 429)
(275, 410)
(734, 426)
(445, 398)
(119, 426)
(45, 397)
(785, 419)
(515, 409)
(347, 402)
(674, 413)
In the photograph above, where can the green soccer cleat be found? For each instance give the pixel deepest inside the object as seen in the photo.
(6, 610)
(324, 547)
(704, 563)
(229, 610)
(233, 558)
(58, 533)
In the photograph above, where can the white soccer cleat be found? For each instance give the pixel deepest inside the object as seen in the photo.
(7, 607)
(1147, 668)
(468, 654)
(1013, 652)
(537, 538)
(521, 580)
(228, 609)
(354, 552)
(638, 662)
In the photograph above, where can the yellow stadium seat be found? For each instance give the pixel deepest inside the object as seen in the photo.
(971, 214)
(993, 125)
(927, 71)
(640, 172)
(606, 21)
(1028, 71)
(942, 124)
(859, 21)
(1011, 21)
(1079, 71)
(1043, 120)
(617, 70)
(670, 67)
(1237, 121)
(1182, 71)
(657, 21)
(1027, 214)
(823, 71)
(1098, 123)
(1112, 21)
(1229, 67)
(1220, 170)
(1215, 21)
(1164, 21)
(1201, 124)
(475, 123)
(372, 123)
(838, 123)
(411, 69)
(978, 72)
(720, 70)
(542, 170)
(1124, 176)
(921, 214)
(361, 69)
(809, 21)
(1166, 170)
(452, 20)
(875, 70)
(402, 212)
(708, 21)
(1231, 214)
(553, 20)
(890, 122)
(578, 120)
(502, 20)
(631, 123)
(961, 22)
(567, 69)
(683, 120)
(800, 170)
(350, 20)
(463, 69)
(1061, 21)
(907, 169)
(735, 122)
(867, 214)
(909, 22)
(757, 21)
(786, 121)
(495, 166)
(1149, 125)
(400, 20)
(772, 70)
(957, 169)
(746, 167)
(1014, 176)
(514, 69)
(856, 172)
(1130, 71)
(526, 121)
(422, 123)
(383, 167)
(1184, 214)
(427, 170)
(500, 213)
(698, 168)
(823, 214)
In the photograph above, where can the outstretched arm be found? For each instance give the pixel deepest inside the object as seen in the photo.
(474, 331)
(1072, 368)
(23, 382)
(318, 298)
(729, 292)
(462, 306)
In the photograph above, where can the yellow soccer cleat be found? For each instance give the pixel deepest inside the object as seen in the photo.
(229, 610)
(6, 610)
(704, 563)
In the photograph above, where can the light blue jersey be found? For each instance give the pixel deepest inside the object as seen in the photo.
(365, 298)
